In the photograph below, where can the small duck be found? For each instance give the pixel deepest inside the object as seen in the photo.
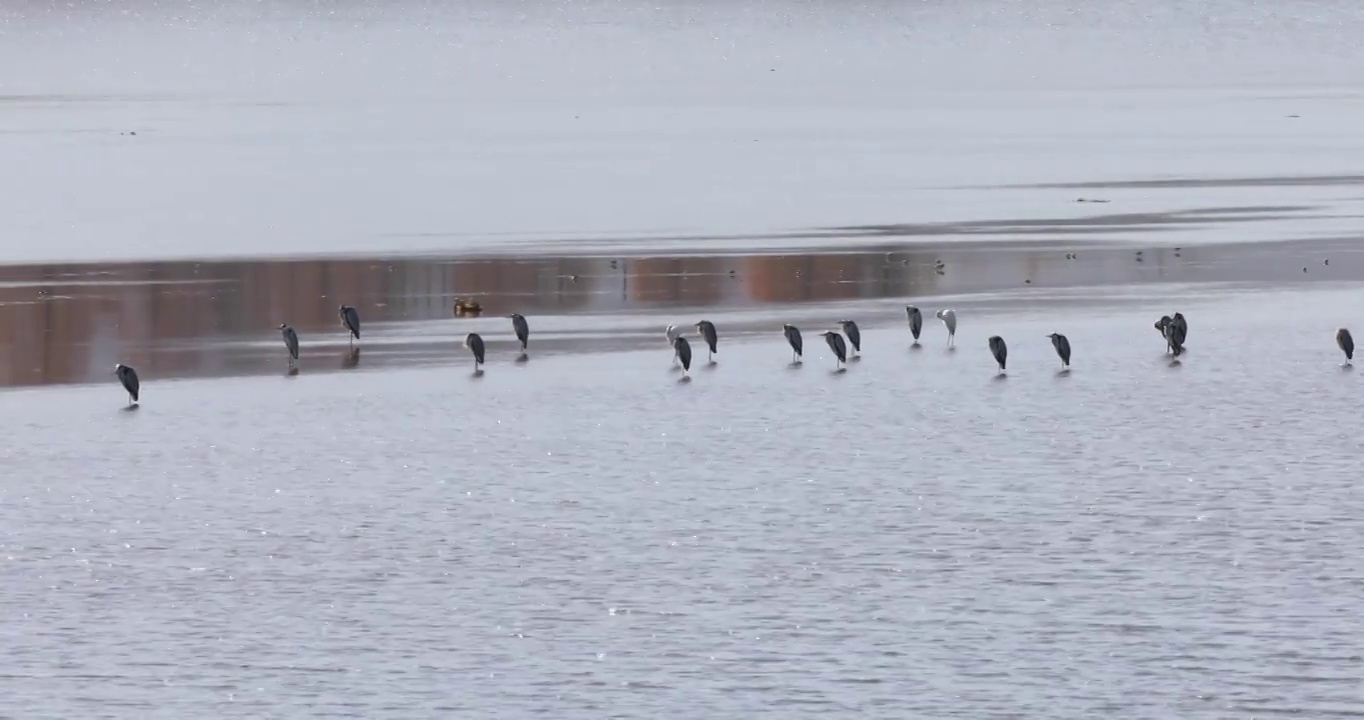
(467, 307)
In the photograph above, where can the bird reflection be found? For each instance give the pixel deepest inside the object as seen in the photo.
(292, 371)
(350, 358)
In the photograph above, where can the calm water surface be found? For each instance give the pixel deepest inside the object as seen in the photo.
(582, 535)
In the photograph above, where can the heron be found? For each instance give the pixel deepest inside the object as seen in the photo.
(1346, 344)
(672, 334)
(475, 344)
(949, 318)
(1000, 351)
(682, 349)
(290, 342)
(837, 345)
(128, 377)
(1062, 346)
(1162, 327)
(792, 334)
(854, 335)
(522, 330)
(707, 330)
(351, 319)
(916, 322)
(1182, 326)
(1173, 339)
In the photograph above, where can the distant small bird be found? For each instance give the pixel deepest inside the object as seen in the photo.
(837, 345)
(1346, 344)
(949, 318)
(128, 377)
(1062, 346)
(707, 330)
(682, 349)
(351, 319)
(792, 334)
(854, 335)
(467, 307)
(916, 322)
(290, 342)
(522, 330)
(475, 344)
(1000, 351)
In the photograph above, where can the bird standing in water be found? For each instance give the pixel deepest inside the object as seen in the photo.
(916, 322)
(351, 319)
(475, 344)
(682, 349)
(838, 346)
(128, 377)
(290, 342)
(707, 330)
(854, 335)
(1000, 351)
(1062, 346)
(792, 334)
(949, 318)
(1346, 343)
(522, 330)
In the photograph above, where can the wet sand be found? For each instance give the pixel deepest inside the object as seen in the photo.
(69, 323)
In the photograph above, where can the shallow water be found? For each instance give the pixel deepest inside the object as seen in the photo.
(584, 535)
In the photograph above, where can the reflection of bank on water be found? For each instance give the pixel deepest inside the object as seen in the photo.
(72, 323)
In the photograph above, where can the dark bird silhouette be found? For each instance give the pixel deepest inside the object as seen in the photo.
(1000, 351)
(1181, 327)
(707, 330)
(854, 335)
(128, 377)
(351, 319)
(475, 344)
(290, 342)
(792, 334)
(1346, 344)
(1062, 346)
(916, 322)
(522, 330)
(682, 348)
(838, 346)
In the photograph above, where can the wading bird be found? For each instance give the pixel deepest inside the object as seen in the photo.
(854, 335)
(351, 319)
(837, 345)
(916, 322)
(1163, 327)
(290, 342)
(128, 377)
(1346, 344)
(682, 349)
(475, 344)
(1062, 346)
(522, 330)
(1173, 340)
(707, 330)
(792, 334)
(1182, 327)
(1000, 351)
(949, 318)
(673, 334)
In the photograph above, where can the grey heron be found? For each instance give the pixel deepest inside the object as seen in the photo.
(1173, 340)
(475, 344)
(522, 330)
(792, 334)
(1000, 351)
(707, 330)
(290, 342)
(854, 335)
(1346, 344)
(682, 348)
(1163, 327)
(128, 377)
(351, 319)
(1062, 346)
(916, 322)
(837, 345)
(672, 333)
(1181, 326)
(949, 318)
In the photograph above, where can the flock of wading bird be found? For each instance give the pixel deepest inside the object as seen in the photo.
(1173, 328)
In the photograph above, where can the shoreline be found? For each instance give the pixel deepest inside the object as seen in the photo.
(66, 324)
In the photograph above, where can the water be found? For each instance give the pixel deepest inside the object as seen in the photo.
(583, 535)
(386, 534)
